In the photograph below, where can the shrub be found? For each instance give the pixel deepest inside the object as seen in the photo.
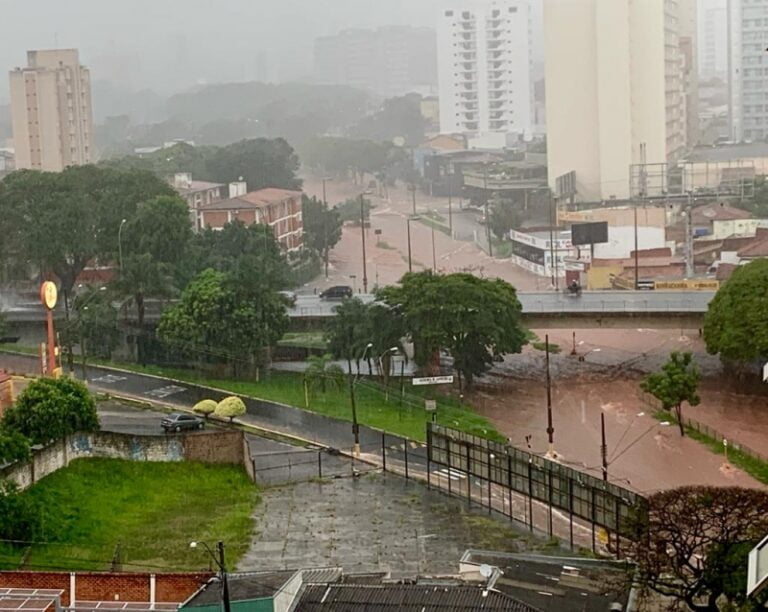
(205, 407)
(22, 515)
(230, 407)
(49, 409)
(14, 446)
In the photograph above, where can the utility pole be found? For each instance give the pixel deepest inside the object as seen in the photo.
(408, 226)
(355, 426)
(325, 229)
(637, 261)
(362, 233)
(434, 259)
(413, 195)
(689, 238)
(224, 578)
(603, 447)
(550, 429)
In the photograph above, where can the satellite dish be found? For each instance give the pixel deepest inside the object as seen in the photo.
(486, 571)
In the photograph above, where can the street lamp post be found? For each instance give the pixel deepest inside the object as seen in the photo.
(408, 226)
(82, 308)
(325, 226)
(120, 242)
(362, 233)
(353, 402)
(219, 560)
(550, 429)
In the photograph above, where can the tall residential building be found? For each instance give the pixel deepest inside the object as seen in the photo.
(51, 111)
(391, 61)
(484, 70)
(713, 39)
(619, 76)
(748, 69)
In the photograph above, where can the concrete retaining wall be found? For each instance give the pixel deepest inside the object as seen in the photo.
(221, 447)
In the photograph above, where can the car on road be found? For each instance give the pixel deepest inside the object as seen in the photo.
(338, 292)
(289, 297)
(177, 421)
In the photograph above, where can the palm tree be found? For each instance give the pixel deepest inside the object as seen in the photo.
(324, 374)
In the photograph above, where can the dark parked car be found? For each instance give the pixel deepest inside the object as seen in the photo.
(339, 292)
(177, 421)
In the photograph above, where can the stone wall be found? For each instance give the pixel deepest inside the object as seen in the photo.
(220, 447)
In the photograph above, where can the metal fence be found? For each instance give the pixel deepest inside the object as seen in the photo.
(545, 495)
(303, 465)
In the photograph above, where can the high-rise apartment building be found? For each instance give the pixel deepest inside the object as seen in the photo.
(713, 39)
(391, 61)
(620, 77)
(484, 70)
(748, 69)
(51, 111)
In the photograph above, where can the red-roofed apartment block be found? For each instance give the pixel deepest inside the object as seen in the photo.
(278, 208)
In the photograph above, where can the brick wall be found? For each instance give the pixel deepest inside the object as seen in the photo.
(109, 586)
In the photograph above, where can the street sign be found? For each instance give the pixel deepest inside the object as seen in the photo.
(433, 380)
(430, 405)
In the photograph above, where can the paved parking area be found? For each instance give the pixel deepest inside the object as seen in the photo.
(376, 522)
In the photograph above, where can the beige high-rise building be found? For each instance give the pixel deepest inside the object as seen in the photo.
(618, 77)
(51, 111)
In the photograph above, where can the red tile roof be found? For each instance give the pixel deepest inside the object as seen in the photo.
(758, 248)
(255, 199)
(718, 212)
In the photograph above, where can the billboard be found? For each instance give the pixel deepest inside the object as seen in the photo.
(589, 233)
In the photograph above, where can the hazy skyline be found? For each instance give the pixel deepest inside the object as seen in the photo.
(171, 45)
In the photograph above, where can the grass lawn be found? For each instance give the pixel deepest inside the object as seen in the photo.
(152, 510)
(374, 407)
(312, 340)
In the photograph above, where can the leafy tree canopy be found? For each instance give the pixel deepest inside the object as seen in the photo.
(398, 117)
(735, 325)
(50, 409)
(477, 320)
(322, 226)
(691, 543)
(676, 383)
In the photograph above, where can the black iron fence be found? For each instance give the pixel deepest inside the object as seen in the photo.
(545, 495)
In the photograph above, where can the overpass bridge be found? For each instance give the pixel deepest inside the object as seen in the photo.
(543, 309)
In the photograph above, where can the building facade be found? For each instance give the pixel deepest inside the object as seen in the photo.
(713, 39)
(278, 208)
(51, 111)
(484, 71)
(196, 193)
(391, 61)
(748, 69)
(620, 78)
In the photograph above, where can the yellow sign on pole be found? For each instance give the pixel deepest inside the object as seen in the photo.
(602, 536)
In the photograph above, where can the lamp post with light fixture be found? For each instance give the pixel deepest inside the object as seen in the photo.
(219, 560)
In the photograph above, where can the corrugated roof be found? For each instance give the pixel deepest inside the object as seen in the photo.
(718, 212)
(405, 598)
(758, 248)
(121, 606)
(255, 199)
(244, 586)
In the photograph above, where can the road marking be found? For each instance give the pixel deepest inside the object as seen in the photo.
(451, 473)
(109, 379)
(165, 391)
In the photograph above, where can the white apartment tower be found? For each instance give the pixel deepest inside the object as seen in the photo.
(748, 69)
(484, 68)
(51, 111)
(621, 81)
(713, 39)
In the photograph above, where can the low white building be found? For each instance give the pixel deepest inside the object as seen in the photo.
(736, 227)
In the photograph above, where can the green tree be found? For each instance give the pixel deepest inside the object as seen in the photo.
(49, 409)
(93, 324)
(477, 320)
(348, 332)
(349, 210)
(154, 243)
(676, 383)
(735, 325)
(503, 215)
(23, 516)
(323, 374)
(14, 446)
(385, 331)
(205, 407)
(219, 321)
(398, 117)
(322, 227)
(691, 543)
(230, 407)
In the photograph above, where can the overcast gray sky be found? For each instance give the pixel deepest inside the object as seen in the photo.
(168, 45)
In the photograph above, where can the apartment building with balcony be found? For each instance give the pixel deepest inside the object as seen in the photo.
(484, 71)
(278, 208)
(196, 193)
(51, 111)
